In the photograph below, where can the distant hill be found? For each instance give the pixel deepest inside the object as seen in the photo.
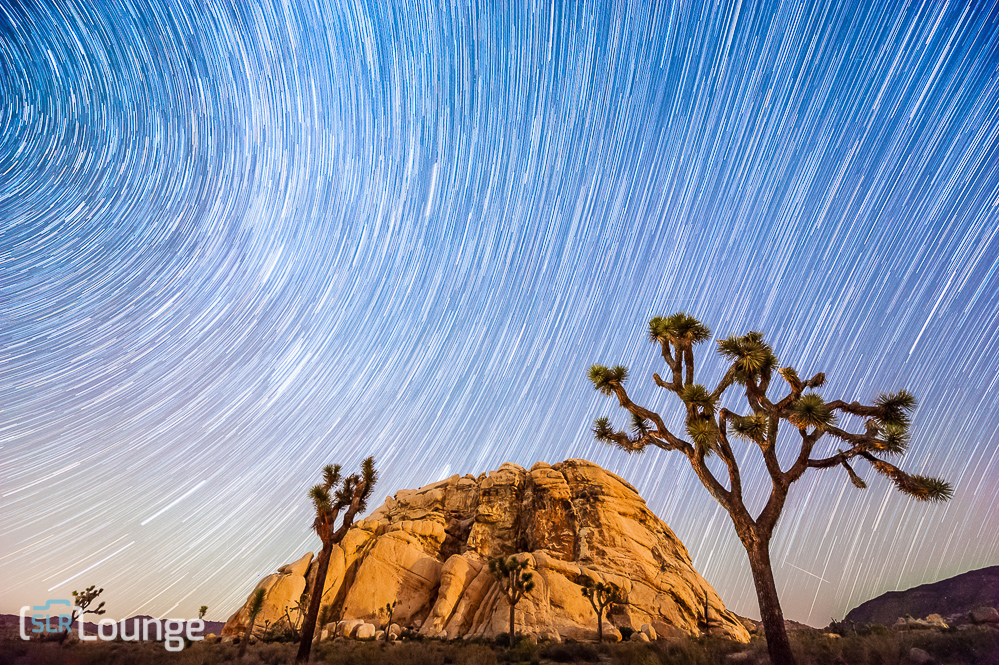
(954, 595)
(756, 627)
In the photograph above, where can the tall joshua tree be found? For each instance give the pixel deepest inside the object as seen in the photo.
(514, 582)
(601, 596)
(803, 413)
(334, 495)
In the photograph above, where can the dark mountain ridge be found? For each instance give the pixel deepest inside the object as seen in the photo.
(954, 595)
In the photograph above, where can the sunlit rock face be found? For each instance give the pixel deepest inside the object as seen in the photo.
(428, 551)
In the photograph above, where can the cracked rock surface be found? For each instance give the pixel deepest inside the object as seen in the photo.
(428, 550)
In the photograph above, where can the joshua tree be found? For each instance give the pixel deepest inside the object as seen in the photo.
(202, 611)
(808, 416)
(601, 596)
(256, 604)
(335, 494)
(325, 614)
(299, 608)
(514, 582)
(389, 610)
(83, 599)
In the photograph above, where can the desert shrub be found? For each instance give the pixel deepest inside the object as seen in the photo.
(972, 647)
(275, 653)
(634, 653)
(475, 654)
(523, 651)
(700, 651)
(363, 653)
(570, 652)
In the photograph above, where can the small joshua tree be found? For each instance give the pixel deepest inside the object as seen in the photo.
(325, 615)
(83, 600)
(805, 415)
(334, 495)
(202, 611)
(389, 610)
(299, 608)
(601, 596)
(514, 582)
(256, 604)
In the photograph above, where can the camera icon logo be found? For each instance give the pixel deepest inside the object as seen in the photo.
(41, 617)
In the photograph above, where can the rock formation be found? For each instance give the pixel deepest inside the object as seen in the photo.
(428, 550)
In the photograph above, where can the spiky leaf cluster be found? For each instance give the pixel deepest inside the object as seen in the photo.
(256, 602)
(606, 379)
(601, 594)
(696, 395)
(751, 356)
(894, 439)
(512, 575)
(604, 432)
(752, 427)
(337, 492)
(639, 426)
(917, 486)
(703, 431)
(811, 411)
(83, 599)
(896, 408)
(681, 328)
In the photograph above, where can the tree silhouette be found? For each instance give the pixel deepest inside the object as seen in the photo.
(601, 596)
(514, 582)
(334, 495)
(752, 366)
(83, 600)
(202, 611)
(389, 610)
(256, 604)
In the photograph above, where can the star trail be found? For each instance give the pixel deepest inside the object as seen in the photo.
(241, 241)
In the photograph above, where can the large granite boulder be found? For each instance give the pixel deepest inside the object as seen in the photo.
(428, 550)
(283, 590)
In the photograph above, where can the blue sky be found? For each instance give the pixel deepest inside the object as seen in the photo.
(236, 245)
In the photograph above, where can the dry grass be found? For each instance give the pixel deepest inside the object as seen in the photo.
(877, 647)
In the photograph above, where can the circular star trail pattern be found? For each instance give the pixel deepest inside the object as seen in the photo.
(239, 243)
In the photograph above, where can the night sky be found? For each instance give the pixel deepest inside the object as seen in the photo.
(241, 242)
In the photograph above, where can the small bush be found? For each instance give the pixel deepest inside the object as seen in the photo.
(570, 652)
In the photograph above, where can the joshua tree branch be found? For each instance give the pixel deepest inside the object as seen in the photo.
(662, 384)
(688, 356)
(674, 442)
(735, 479)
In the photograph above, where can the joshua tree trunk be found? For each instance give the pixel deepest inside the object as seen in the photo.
(309, 625)
(246, 638)
(770, 612)
(512, 634)
(600, 628)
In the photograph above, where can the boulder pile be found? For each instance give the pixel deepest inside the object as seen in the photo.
(427, 550)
